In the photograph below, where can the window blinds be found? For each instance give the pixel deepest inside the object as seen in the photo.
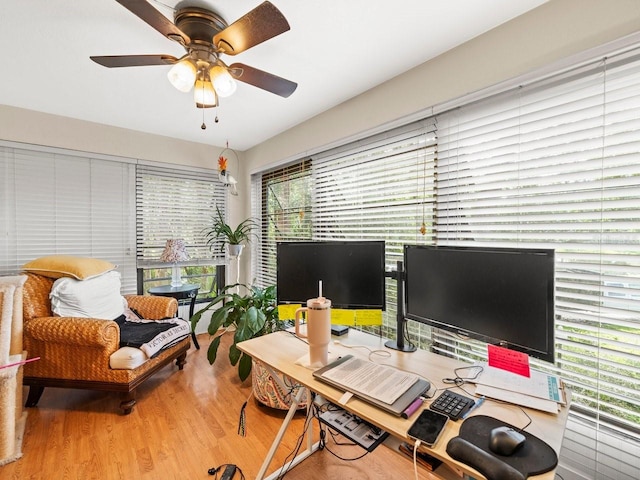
(557, 165)
(176, 203)
(379, 188)
(281, 199)
(552, 164)
(59, 202)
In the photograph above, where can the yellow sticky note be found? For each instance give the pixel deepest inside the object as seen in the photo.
(288, 312)
(342, 317)
(368, 317)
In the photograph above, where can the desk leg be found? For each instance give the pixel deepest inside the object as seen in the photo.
(193, 332)
(311, 447)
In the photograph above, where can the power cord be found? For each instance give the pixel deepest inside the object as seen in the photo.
(458, 381)
(415, 458)
(229, 471)
(372, 352)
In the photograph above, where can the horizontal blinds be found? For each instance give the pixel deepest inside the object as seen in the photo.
(176, 203)
(60, 203)
(380, 188)
(557, 165)
(282, 202)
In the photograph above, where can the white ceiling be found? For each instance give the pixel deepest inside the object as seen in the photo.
(335, 50)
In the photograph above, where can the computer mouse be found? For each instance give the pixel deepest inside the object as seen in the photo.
(505, 440)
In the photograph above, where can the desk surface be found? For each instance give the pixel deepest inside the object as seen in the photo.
(281, 350)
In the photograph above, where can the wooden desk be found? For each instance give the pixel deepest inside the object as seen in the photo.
(280, 351)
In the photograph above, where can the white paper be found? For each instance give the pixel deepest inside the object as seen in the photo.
(539, 385)
(381, 382)
(517, 398)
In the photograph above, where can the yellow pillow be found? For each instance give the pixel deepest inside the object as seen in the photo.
(80, 268)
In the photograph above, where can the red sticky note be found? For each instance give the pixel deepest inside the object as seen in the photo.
(509, 360)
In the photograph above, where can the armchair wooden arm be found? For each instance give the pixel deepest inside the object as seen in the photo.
(153, 308)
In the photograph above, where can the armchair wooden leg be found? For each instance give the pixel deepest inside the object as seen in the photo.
(128, 402)
(181, 360)
(35, 392)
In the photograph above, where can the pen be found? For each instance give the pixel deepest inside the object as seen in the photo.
(479, 402)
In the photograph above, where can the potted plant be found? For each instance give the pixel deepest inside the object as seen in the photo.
(252, 314)
(221, 231)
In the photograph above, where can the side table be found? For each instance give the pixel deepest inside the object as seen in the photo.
(186, 291)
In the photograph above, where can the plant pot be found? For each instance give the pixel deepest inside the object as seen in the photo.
(269, 392)
(234, 250)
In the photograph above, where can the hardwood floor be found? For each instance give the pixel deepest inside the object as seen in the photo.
(185, 422)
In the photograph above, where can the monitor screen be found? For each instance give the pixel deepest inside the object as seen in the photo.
(503, 296)
(352, 273)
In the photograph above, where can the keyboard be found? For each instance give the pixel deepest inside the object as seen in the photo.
(452, 404)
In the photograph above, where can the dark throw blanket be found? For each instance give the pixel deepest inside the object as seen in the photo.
(152, 336)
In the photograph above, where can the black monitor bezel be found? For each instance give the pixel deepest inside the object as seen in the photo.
(547, 353)
(381, 261)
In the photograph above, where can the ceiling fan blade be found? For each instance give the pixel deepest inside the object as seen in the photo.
(263, 80)
(143, 10)
(112, 61)
(260, 24)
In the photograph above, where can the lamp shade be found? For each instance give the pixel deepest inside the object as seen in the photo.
(182, 75)
(174, 251)
(204, 95)
(222, 80)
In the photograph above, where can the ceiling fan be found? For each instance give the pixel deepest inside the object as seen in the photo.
(206, 36)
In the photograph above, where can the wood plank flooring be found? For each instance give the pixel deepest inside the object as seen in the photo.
(185, 422)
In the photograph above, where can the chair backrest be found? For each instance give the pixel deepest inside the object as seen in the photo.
(36, 301)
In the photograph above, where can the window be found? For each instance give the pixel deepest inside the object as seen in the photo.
(552, 164)
(380, 188)
(56, 201)
(61, 202)
(557, 164)
(282, 200)
(177, 203)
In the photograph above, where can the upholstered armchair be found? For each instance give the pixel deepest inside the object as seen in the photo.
(76, 352)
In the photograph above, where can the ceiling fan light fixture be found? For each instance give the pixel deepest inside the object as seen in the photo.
(204, 94)
(223, 82)
(183, 75)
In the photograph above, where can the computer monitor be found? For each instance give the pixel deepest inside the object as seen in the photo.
(503, 296)
(352, 273)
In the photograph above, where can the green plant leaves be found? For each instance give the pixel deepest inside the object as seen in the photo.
(244, 367)
(221, 231)
(212, 352)
(253, 314)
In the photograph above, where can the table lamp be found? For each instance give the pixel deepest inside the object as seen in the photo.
(175, 251)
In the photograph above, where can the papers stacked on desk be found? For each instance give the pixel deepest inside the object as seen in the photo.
(539, 391)
(386, 387)
(383, 383)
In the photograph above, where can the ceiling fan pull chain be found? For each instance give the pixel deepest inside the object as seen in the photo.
(203, 126)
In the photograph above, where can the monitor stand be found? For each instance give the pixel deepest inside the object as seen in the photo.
(398, 343)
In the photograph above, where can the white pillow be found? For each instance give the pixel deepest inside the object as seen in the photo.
(127, 358)
(97, 297)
